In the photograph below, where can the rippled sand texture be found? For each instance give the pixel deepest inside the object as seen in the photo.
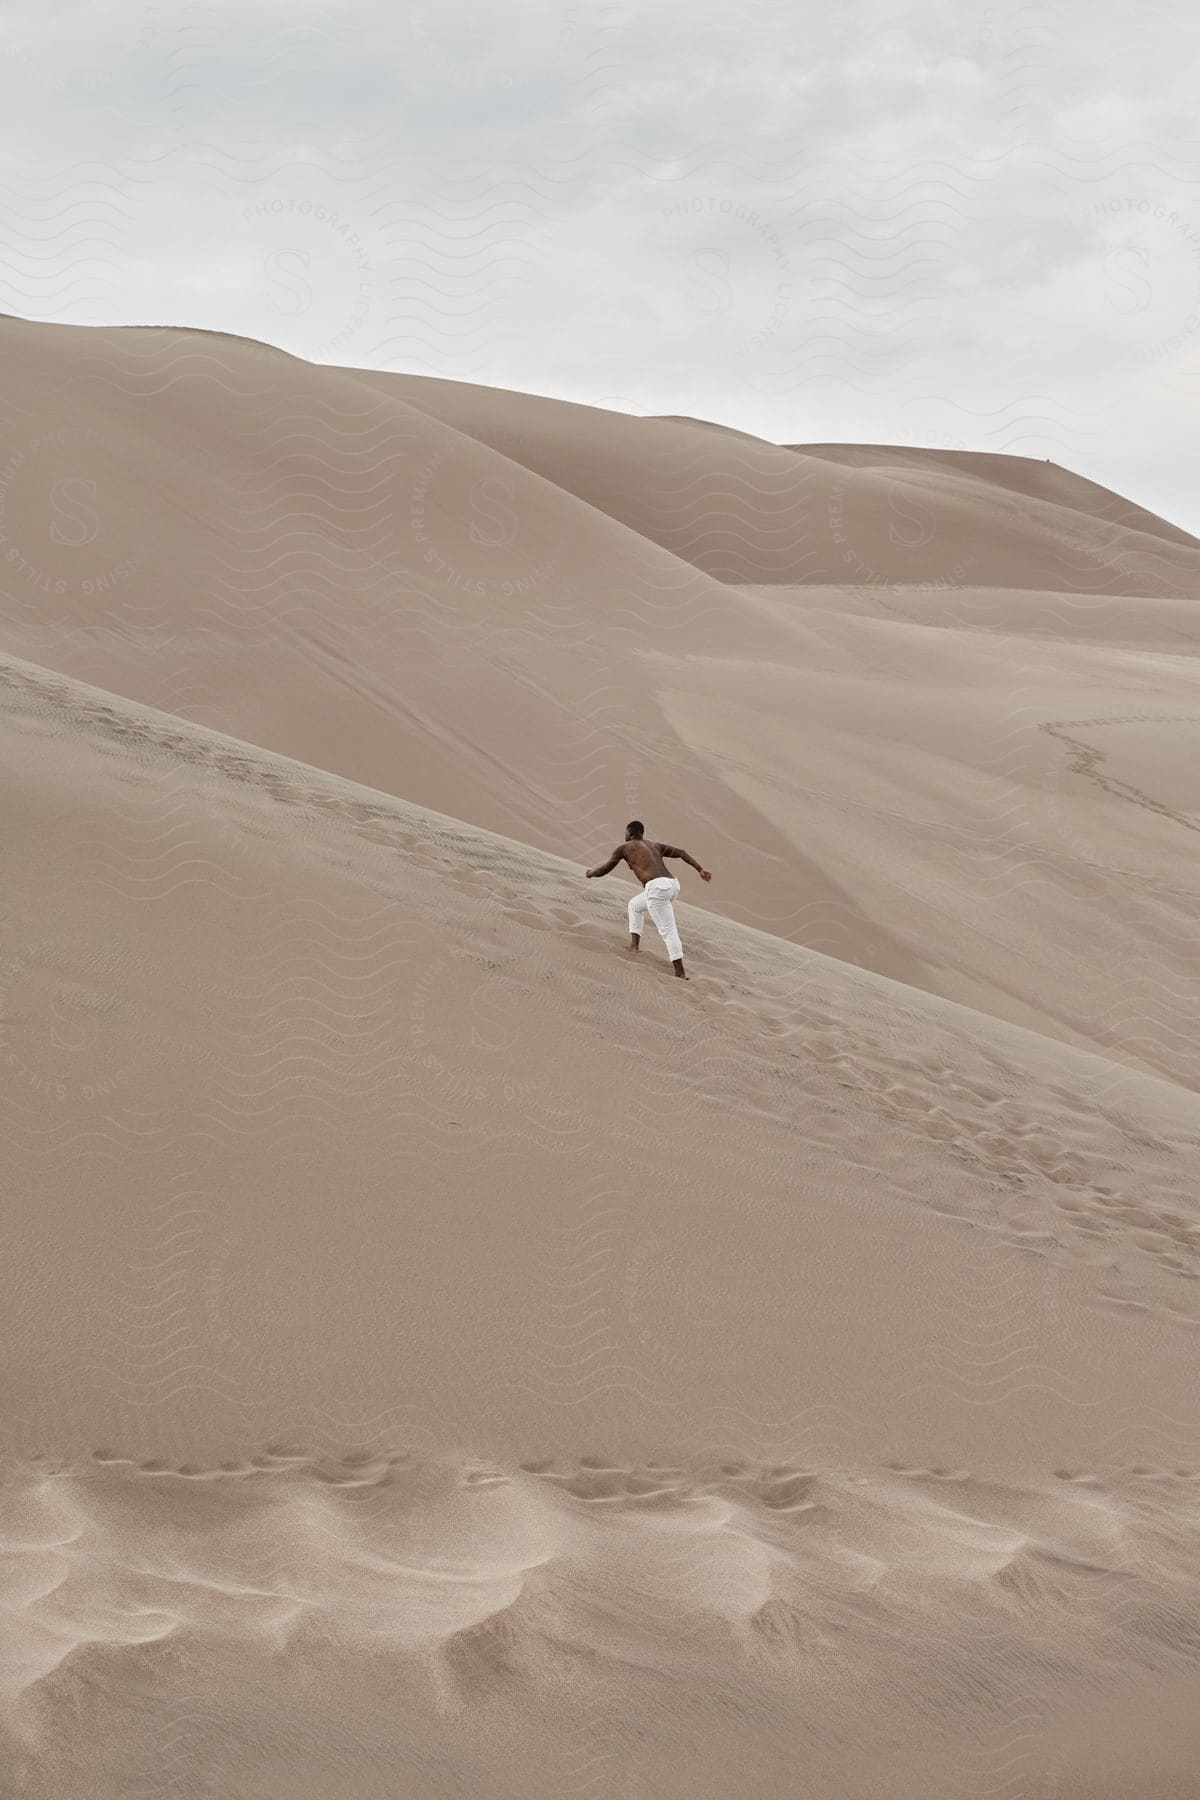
(445, 1355)
(269, 1613)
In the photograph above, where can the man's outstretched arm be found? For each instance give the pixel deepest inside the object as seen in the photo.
(617, 856)
(671, 850)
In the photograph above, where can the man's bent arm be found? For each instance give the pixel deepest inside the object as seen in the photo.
(670, 850)
(607, 868)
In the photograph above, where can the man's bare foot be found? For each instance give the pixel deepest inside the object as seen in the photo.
(635, 945)
(681, 972)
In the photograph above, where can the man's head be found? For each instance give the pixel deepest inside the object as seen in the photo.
(634, 829)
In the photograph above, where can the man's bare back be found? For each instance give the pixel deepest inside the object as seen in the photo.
(645, 858)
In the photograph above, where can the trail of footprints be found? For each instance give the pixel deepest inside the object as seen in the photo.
(779, 1487)
(1072, 1193)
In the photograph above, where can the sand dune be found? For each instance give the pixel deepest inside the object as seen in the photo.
(817, 1351)
(747, 511)
(962, 760)
(444, 1355)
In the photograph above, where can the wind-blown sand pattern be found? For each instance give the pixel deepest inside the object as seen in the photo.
(446, 1355)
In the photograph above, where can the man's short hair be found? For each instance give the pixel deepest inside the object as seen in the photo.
(635, 828)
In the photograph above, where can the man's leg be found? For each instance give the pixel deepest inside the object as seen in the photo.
(637, 918)
(663, 914)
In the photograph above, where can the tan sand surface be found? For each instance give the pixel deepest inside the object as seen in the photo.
(445, 1355)
(501, 610)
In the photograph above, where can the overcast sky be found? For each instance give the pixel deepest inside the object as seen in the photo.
(978, 228)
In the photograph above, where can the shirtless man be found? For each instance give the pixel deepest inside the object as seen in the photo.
(658, 888)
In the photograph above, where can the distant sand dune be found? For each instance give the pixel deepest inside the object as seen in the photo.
(929, 712)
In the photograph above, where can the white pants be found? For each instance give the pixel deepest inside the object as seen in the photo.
(655, 899)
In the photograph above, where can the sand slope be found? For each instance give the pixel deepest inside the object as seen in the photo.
(443, 1355)
(753, 512)
(929, 713)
